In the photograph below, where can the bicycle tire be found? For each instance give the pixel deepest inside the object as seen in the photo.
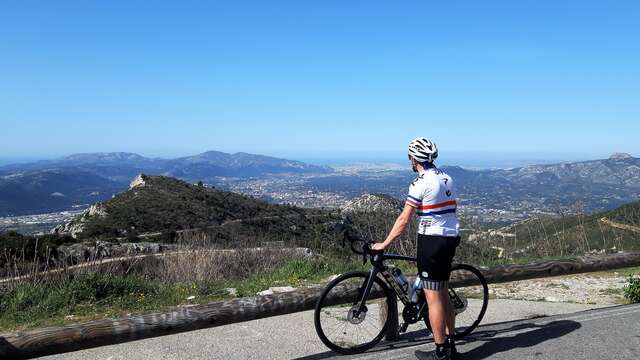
(327, 300)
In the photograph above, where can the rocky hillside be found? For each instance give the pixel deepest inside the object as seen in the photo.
(164, 204)
(618, 169)
(608, 231)
(372, 203)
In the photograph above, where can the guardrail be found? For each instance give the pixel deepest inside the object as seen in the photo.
(32, 343)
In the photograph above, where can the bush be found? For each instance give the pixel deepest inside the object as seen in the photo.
(632, 290)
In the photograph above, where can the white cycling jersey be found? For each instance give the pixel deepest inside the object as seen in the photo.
(431, 193)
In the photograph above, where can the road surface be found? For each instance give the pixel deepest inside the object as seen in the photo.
(580, 332)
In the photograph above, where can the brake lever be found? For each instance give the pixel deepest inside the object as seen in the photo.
(366, 248)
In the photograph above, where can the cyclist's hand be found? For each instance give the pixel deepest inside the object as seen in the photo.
(378, 246)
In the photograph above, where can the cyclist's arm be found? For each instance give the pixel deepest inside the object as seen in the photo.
(401, 224)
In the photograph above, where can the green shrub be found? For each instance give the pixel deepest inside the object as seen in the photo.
(632, 290)
(33, 304)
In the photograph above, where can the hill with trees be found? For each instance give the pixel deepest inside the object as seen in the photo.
(168, 205)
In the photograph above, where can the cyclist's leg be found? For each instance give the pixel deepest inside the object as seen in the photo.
(433, 268)
(437, 299)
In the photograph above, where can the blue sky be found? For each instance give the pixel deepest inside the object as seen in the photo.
(320, 80)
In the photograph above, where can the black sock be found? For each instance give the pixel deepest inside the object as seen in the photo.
(440, 350)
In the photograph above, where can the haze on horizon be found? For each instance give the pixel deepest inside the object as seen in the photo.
(492, 83)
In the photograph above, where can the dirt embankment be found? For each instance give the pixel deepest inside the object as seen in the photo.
(595, 288)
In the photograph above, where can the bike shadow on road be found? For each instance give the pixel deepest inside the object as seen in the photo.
(409, 339)
(488, 341)
(526, 335)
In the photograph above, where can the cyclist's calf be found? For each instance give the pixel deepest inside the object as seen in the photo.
(441, 314)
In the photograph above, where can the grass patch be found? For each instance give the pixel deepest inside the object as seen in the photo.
(84, 297)
(100, 295)
(297, 272)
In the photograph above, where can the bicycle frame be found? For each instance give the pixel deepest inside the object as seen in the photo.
(377, 260)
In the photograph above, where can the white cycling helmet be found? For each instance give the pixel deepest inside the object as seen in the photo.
(423, 150)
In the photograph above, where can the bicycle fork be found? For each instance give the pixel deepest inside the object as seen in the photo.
(356, 311)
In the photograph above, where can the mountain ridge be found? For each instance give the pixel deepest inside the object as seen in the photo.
(216, 158)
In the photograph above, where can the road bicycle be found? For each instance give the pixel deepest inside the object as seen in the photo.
(352, 314)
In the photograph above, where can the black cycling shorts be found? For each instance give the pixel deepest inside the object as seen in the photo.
(435, 254)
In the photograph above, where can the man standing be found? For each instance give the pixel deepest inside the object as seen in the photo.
(431, 198)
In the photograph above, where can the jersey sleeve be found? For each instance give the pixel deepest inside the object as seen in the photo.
(415, 196)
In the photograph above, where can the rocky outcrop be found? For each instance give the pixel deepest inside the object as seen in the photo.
(77, 225)
(138, 181)
(372, 203)
(98, 209)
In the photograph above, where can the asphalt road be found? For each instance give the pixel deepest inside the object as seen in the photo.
(579, 332)
(610, 333)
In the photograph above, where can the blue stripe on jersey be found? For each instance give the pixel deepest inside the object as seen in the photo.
(416, 199)
(423, 213)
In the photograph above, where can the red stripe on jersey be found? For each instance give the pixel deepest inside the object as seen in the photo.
(435, 206)
(413, 203)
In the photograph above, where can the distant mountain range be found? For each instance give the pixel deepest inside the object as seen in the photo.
(118, 166)
(515, 193)
(54, 185)
(86, 178)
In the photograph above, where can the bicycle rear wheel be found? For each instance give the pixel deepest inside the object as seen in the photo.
(469, 294)
(341, 324)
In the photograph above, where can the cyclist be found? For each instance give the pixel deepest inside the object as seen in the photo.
(431, 197)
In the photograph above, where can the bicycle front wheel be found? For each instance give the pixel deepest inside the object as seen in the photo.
(342, 324)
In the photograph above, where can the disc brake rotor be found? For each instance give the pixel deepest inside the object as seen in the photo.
(459, 302)
(357, 315)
